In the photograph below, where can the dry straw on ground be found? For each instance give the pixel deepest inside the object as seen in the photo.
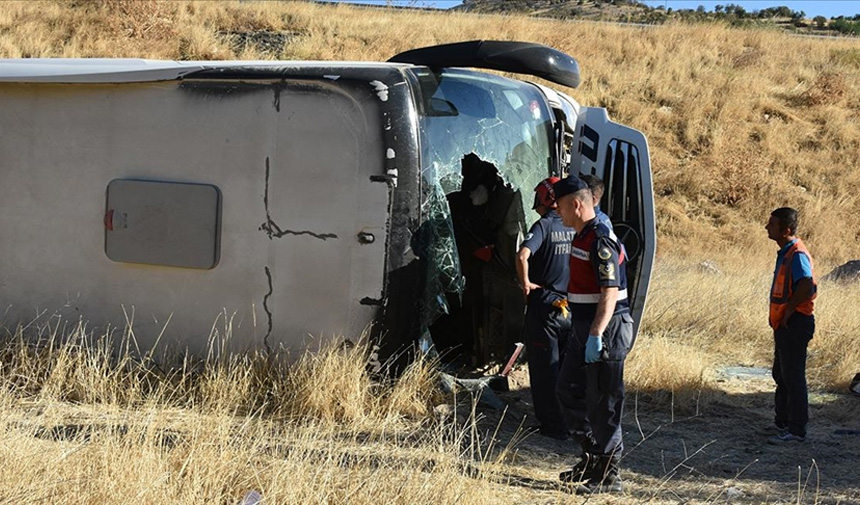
(87, 421)
(699, 318)
(85, 418)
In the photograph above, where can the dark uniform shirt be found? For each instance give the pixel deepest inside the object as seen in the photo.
(549, 242)
(596, 260)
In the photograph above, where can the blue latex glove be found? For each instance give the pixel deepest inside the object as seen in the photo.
(592, 349)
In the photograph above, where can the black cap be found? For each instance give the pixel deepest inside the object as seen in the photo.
(568, 185)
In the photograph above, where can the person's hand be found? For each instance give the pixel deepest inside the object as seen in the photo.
(529, 287)
(784, 322)
(593, 347)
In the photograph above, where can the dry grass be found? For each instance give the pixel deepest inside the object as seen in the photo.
(698, 319)
(85, 417)
(84, 420)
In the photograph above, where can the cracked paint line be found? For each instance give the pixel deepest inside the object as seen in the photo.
(268, 311)
(271, 227)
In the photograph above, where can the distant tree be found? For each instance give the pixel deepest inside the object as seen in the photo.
(784, 12)
(736, 11)
(798, 16)
(655, 17)
(819, 21)
(846, 27)
(718, 9)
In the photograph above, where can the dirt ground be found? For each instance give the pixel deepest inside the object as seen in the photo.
(709, 449)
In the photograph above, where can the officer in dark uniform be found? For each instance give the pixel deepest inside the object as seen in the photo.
(593, 367)
(543, 270)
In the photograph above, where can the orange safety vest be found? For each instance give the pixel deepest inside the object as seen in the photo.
(783, 287)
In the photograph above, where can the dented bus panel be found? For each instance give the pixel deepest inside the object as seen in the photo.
(284, 203)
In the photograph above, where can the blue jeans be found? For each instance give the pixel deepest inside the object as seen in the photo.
(791, 402)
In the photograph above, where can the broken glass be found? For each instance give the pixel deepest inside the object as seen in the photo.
(503, 122)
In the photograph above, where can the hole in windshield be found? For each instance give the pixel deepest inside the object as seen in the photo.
(471, 231)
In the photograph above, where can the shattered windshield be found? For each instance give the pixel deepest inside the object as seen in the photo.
(499, 121)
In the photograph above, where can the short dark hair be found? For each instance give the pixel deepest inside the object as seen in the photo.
(585, 196)
(594, 182)
(787, 218)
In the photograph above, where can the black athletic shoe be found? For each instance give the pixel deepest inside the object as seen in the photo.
(603, 476)
(581, 471)
(611, 484)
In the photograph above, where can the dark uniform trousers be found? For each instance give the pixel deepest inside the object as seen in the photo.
(591, 395)
(545, 332)
(789, 372)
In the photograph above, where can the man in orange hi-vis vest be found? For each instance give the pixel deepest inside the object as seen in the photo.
(792, 298)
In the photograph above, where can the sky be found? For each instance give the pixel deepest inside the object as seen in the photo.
(812, 8)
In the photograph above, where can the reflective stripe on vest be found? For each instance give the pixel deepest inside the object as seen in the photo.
(593, 298)
(783, 287)
(584, 288)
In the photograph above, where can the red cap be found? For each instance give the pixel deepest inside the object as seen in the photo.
(545, 195)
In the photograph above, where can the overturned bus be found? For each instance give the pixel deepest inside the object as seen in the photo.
(284, 202)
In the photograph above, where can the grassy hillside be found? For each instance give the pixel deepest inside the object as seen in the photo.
(740, 121)
(765, 15)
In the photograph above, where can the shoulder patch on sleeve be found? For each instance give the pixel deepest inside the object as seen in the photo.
(607, 271)
(604, 253)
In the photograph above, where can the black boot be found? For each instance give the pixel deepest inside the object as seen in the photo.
(581, 471)
(604, 477)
